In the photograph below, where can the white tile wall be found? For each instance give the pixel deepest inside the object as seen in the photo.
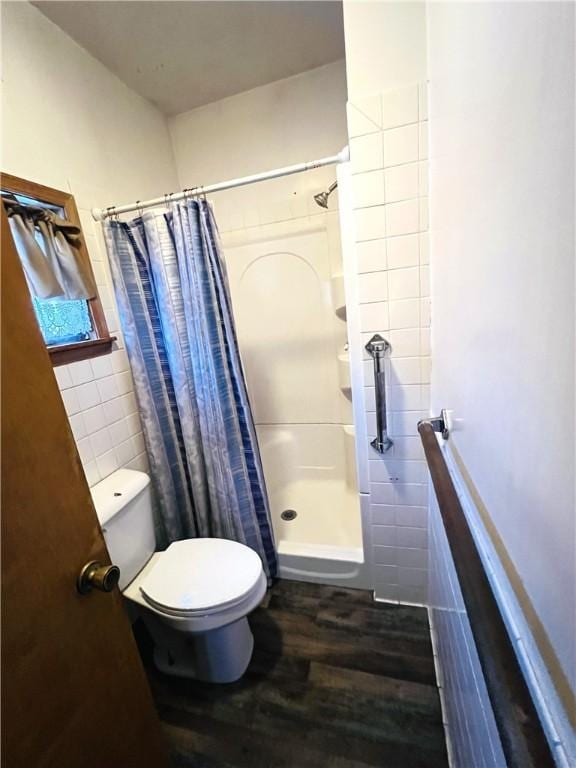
(365, 117)
(388, 149)
(402, 182)
(368, 188)
(400, 107)
(401, 145)
(98, 394)
(403, 251)
(369, 223)
(367, 153)
(371, 255)
(287, 202)
(469, 722)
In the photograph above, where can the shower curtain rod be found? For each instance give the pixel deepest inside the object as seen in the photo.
(99, 214)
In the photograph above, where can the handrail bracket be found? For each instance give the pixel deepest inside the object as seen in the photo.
(438, 423)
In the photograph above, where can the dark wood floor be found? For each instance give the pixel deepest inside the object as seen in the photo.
(336, 681)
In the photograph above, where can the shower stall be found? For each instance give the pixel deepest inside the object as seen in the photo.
(289, 285)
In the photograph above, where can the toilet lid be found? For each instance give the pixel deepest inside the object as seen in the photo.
(202, 574)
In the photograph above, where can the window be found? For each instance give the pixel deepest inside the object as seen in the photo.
(73, 327)
(63, 321)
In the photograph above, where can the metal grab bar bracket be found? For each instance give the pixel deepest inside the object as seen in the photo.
(438, 423)
(382, 445)
(377, 348)
(378, 345)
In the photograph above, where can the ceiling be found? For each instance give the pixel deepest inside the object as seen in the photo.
(180, 55)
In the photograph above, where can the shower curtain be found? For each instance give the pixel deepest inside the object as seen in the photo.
(175, 311)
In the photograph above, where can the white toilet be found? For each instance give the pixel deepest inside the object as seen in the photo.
(194, 597)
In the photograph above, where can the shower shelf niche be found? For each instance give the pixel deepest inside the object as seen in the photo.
(344, 377)
(338, 296)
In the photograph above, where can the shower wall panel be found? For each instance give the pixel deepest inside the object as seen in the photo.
(287, 328)
(291, 324)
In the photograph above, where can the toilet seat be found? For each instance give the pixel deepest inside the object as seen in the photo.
(201, 577)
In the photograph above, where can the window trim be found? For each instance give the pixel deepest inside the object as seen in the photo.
(80, 350)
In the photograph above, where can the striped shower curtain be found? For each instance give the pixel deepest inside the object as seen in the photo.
(175, 311)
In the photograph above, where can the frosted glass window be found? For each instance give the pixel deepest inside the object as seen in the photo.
(63, 321)
(72, 329)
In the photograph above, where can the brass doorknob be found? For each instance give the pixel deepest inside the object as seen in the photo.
(94, 575)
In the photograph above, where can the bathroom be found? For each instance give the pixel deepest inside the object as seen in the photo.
(296, 487)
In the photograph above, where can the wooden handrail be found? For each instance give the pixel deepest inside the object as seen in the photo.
(523, 739)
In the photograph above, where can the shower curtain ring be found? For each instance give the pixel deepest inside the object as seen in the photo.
(139, 207)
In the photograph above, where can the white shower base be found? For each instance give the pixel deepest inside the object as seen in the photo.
(322, 564)
(308, 470)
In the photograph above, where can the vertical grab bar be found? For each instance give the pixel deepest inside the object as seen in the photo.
(377, 348)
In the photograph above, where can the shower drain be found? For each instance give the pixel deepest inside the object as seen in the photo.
(288, 514)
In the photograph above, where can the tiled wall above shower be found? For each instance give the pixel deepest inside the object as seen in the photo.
(389, 151)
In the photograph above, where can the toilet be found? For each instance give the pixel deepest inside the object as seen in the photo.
(194, 597)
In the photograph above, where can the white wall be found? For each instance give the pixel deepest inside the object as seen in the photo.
(502, 253)
(387, 124)
(67, 122)
(283, 123)
(385, 45)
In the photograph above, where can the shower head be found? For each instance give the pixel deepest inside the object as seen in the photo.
(322, 197)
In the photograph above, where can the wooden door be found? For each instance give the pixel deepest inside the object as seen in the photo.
(74, 694)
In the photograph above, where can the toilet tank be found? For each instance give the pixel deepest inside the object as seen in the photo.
(123, 503)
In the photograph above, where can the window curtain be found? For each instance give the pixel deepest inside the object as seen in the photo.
(49, 249)
(175, 311)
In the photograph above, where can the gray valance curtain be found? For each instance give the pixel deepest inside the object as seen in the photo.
(175, 310)
(50, 251)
